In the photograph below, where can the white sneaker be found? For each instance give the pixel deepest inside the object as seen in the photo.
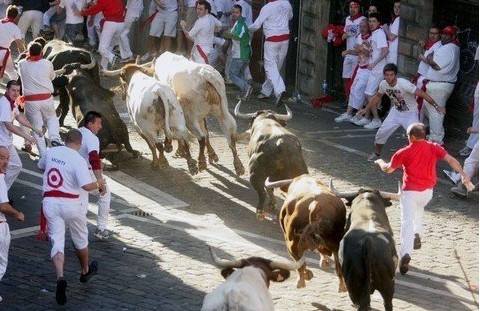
(355, 118)
(454, 177)
(374, 124)
(362, 122)
(146, 56)
(373, 157)
(343, 118)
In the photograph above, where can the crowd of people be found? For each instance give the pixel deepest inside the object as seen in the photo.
(218, 33)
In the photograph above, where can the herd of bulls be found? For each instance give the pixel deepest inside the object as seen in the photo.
(174, 95)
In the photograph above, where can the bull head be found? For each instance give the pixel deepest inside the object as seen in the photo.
(350, 195)
(76, 65)
(252, 115)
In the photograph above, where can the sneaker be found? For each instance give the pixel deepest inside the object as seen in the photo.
(404, 264)
(56, 143)
(113, 63)
(362, 122)
(454, 177)
(355, 118)
(373, 157)
(60, 294)
(465, 152)
(101, 234)
(278, 99)
(417, 242)
(343, 118)
(262, 96)
(92, 270)
(146, 56)
(459, 190)
(228, 81)
(127, 60)
(248, 92)
(374, 124)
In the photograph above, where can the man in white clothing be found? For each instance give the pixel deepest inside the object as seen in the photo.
(392, 34)
(134, 10)
(274, 16)
(90, 151)
(37, 75)
(9, 32)
(442, 76)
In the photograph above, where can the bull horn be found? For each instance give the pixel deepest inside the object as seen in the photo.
(240, 115)
(145, 64)
(112, 73)
(223, 263)
(277, 184)
(60, 71)
(346, 195)
(392, 196)
(137, 60)
(284, 117)
(293, 265)
(89, 66)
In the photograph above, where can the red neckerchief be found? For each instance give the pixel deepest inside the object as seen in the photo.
(34, 58)
(12, 102)
(429, 43)
(8, 20)
(354, 17)
(365, 37)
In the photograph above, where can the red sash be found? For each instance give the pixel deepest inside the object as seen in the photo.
(278, 38)
(202, 54)
(36, 97)
(59, 194)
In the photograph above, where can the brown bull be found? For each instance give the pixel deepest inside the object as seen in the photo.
(311, 218)
(274, 152)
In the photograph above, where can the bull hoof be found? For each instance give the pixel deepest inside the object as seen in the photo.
(342, 288)
(260, 215)
(192, 167)
(212, 158)
(179, 154)
(324, 263)
(271, 207)
(135, 154)
(308, 275)
(301, 283)
(202, 165)
(239, 169)
(167, 148)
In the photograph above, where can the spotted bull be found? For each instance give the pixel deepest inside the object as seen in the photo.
(247, 282)
(274, 152)
(311, 218)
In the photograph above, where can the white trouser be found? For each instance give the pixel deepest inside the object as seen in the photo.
(125, 50)
(357, 91)
(110, 30)
(103, 204)
(9, 67)
(14, 166)
(473, 138)
(412, 204)
(470, 166)
(61, 215)
(422, 111)
(274, 56)
(48, 15)
(349, 64)
(32, 19)
(4, 246)
(39, 113)
(439, 92)
(395, 119)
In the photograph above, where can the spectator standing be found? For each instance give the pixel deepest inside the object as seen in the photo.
(274, 17)
(65, 175)
(8, 113)
(32, 15)
(241, 51)
(377, 61)
(442, 76)
(418, 161)
(5, 210)
(391, 31)
(202, 33)
(53, 21)
(9, 32)
(113, 12)
(73, 22)
(134, 10)
(350, 34)
(37, 75)
(404, 111)
(470, 166)
(90, 151)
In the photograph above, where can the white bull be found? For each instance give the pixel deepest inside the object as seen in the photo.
(246, 288)
(154, 108)
(201, 91)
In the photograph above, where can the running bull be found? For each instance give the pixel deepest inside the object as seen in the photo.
(201, 91)
(87, 95)
(311, 218)
(154, 108)
(247, 282)
(367, 251)
(274, 152)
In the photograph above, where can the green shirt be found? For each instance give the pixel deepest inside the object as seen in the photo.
(240, 36)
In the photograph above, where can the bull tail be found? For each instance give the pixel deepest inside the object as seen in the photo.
(368, 261)
(311, 236)
(165, 97)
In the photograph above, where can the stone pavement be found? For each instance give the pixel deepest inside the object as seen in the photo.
(163, 222)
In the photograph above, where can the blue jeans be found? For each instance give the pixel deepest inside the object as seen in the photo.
(236, 73)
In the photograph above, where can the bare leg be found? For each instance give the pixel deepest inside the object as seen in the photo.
(82, 255)
(58, 261)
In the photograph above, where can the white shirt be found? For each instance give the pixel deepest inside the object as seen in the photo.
(448, 58)
(65, 171)
(169, 6)
(6, 115)
(352, 30)
(3, 194)
(423, 66)
(203, 31)
(401, 95)
(274, 16)
(134, 6)
(9, 32)
(393, 45)
(363, 58)
(90, 143)
(36, 76)
(67, 5)
(378, 41)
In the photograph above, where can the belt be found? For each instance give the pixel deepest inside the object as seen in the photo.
(442, 82)
(59, 194)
